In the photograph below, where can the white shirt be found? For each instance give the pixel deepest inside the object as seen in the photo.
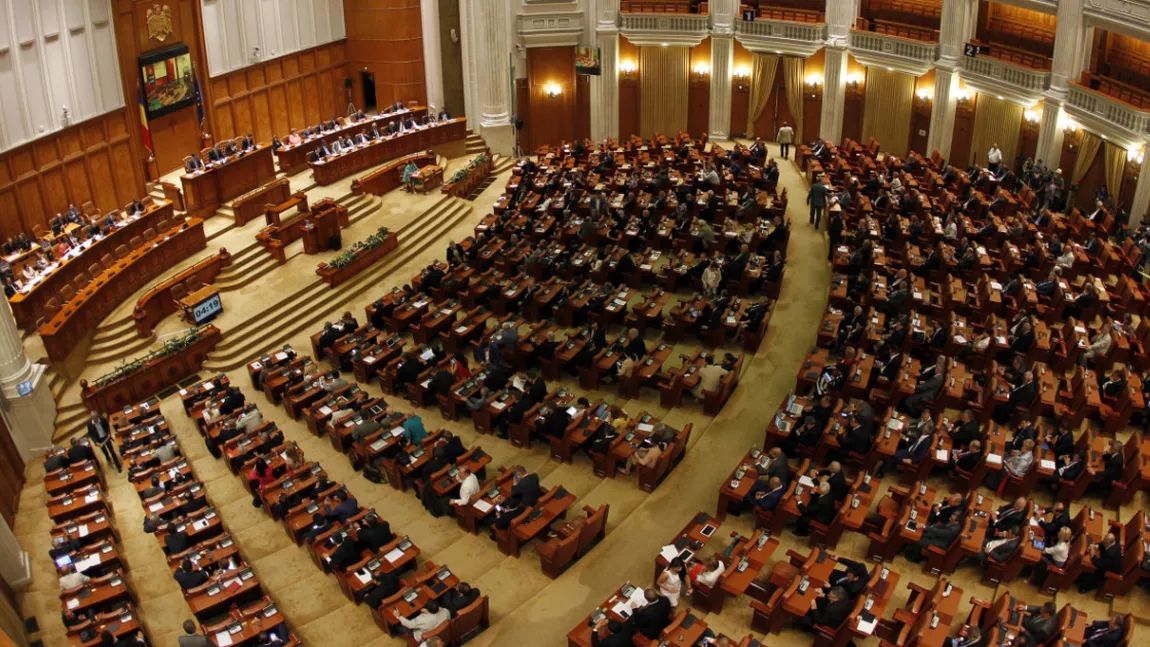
(711, 578)
(1058, 552)
(993, 156)
(425, 622)
(468, 489)
(73, 580)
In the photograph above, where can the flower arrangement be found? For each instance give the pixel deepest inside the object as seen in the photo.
(170, 347)
(346, 257)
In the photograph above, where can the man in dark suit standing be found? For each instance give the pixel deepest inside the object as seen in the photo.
(817, 199)
(834, 233)
(653, 618)
(100, 432)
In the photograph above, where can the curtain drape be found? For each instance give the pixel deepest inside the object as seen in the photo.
(886, 115)
(1089, 147)
(1115, 168)
(996, 121)
(793, 68)
(763, 68)
(663, 79)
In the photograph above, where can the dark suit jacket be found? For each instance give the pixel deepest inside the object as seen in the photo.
(941, 535)
(821, 508)
(831, 614)
(527, 489)
(344, 555)
(1109, 560)
(781, 469)
(620, 639)
(653, 618)
(1023, 395)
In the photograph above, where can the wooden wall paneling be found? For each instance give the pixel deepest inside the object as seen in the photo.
(385, 37)
(699, 90)
(963, 137)
(523, 102)
(629, 90)
(740, 91)
(1069, 154)
(582, 107)
(920, 114)
(1129, 182)
(552, 118)
(11, 475)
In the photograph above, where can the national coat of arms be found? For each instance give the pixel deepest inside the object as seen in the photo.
(159, 19)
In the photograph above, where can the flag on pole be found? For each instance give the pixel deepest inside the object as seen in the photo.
(199, 100)
(145, 131)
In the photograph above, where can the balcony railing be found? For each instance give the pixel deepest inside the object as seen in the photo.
(671, 29)
(804, 32)
(1114, 111)
(914, 51)
(1015, 78)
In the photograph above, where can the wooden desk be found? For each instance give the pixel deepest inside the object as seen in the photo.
(428, 178)
(206, 190)
(190, 302)
(76, 320)
(28, 305)
(337, 167)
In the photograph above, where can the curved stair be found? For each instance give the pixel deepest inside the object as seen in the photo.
(475, 143)
(301, 310)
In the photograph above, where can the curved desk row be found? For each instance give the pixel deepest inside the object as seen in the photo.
(79, 317)
(158, 303)
(335, 168)
(28, 307)
(390, 176)
(205, 191)
(251, 205)
(293, 159)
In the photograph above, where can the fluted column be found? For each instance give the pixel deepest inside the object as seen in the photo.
(432, 56)
(723, 16)
(1049, 148)
(15, 567)
(942, 113)
(1069, 35)
(492, 18)
(605, 87)
(1141, 201)
(31, 418)
(834, 93)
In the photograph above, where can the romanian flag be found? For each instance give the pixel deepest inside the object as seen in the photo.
(199, 101)
(144, 130)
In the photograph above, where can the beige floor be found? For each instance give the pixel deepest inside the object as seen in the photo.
(527, 608)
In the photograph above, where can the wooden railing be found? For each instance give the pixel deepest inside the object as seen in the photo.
(1015, 56)
(158, 303)
(897, 29)
(1136, 97)
(251, 205)
(919, 14)
(663, 6)
(390, 175)
(793, 15)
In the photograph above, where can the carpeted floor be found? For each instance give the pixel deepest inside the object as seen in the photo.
(527, 608)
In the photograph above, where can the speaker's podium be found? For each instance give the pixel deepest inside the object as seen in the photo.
(319, 230)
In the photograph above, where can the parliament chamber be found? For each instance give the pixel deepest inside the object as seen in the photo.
(692, 323)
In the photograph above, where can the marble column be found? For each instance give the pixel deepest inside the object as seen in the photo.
(31, 418)
(15, 567)
(834, 93)
(605, 88)
(432, 57)
(489, 59)
(1141, 202)
(722, 68)
(1049, 148)
(1069, 35)
(942, 113)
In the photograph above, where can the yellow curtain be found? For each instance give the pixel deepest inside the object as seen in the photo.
(663, 90)
(996, 121)
(763, 68)
(887, 112)
(1115, 169)
(793, 68)
(1089, 147)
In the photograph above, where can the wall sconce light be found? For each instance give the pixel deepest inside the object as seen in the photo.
(855, 79)
(1069, 126)
(814, 80)
(627, 68)
(552, 90)
(962, 96)
(701, 70)
(1031, 116)
(742, 76)
(1136, 155)
(924, 95)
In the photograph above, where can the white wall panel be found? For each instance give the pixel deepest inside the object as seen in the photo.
(233, 29)
(55, 53)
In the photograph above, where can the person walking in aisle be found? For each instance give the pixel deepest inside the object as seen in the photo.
(817, 199)
(785, 137)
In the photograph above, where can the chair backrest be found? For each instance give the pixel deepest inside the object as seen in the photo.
(179, 291)
(192, 284)
(150, 234)
(163, 225)
(80, 280)
(593, 529)
(136, 242)
(443, 632)
(94, 269)
(565, 550)
(66, 293)
(107, 261)
(469, 620)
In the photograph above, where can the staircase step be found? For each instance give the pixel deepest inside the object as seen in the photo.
(113, 350)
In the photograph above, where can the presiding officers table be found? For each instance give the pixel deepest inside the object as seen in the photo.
(293, 159)
(206, 190)
(28, 304)
(79, 316)
(336, 167)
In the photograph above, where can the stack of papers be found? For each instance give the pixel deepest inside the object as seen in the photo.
(482, 506)
(394, 555)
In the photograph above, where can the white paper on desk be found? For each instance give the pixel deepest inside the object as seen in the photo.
(86, 563)
(363, 578)
(200, 524)
(280, 356)
(959, 339)
(257, 366)
(73, 603)
(644, 427)
(994, 459)
(223, 638)
(1048, 465)
(208, 386)
(866, 627)
(397, 432)
(420, 303)
(394, 555)
(426, 383)
(83, 530)
(805, 481)
(644, 267)
(499, 406)
(1080, 329)
(996, 285)
(183, 391)
(155, 506)
(941, 454)
(669, 552)
(369, 360)
(482, 506)
(917, 295)
(638, 598)
(326, 411)
(92, 498)
(622, 609)
(1001, 339)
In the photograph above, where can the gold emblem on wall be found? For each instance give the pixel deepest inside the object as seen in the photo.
(159, 19)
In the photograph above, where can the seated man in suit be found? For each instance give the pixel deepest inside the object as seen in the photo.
(1104, 633)
(765, 495)
(853, 580)
(526, 487)
(1105, 557)
(1008, 517)
(459, 598)
(194, 163)
(1020, 396)
(619, 634)
(965, 430)
(821, 508)
(1000, 549)
(340, 506)
(930, 384)
(374, 533)
(940, 534)
(966, 459)
(915, 451)
(827, 610)
(346, 553)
